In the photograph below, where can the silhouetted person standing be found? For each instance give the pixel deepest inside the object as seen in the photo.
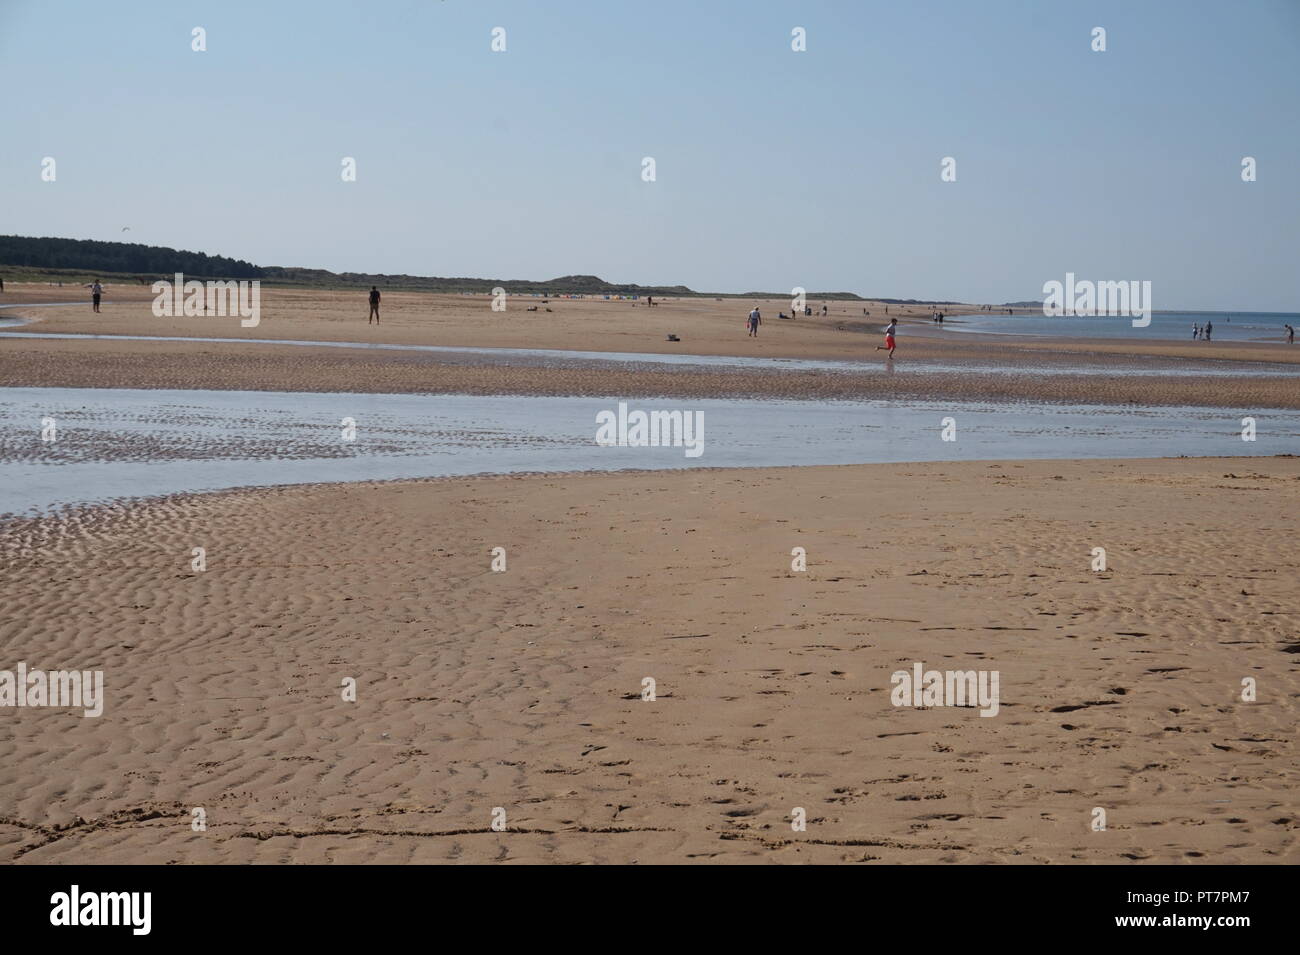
(374, 305)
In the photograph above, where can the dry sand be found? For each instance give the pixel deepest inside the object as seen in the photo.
(520, 690)
(707, 327)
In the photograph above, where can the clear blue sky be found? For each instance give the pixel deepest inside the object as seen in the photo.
(775, 168)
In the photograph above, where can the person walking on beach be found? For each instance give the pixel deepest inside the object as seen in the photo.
(96, 291)
(374, 305)
(1290, 332)
(1195, 332)
(889, 337)
(1209, 327)
(754, 321)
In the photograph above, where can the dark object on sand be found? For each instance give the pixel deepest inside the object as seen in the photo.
(673, 338)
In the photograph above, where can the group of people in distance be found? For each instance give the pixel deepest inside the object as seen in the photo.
(1200, 333)
(755, 319)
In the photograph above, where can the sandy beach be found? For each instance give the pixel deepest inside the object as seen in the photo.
(965, 366)
(520, 691)
(410, 455)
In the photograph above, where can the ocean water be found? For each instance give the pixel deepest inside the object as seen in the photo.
(1168, 326)
(115, 444)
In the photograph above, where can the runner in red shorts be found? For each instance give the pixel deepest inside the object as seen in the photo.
(889, 337)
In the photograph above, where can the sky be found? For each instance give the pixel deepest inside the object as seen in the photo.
(773, 168)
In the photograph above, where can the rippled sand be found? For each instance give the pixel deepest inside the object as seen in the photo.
(521, 689)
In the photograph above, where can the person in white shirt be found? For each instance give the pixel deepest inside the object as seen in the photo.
(889, 337)
(754, 321)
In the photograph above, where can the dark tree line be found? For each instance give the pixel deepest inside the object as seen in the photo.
(88, 255)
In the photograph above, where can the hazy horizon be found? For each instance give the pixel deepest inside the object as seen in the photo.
(774, 168)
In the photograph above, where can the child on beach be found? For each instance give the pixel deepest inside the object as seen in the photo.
(889, 337)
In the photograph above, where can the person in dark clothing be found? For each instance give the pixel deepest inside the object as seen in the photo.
(374, 305)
